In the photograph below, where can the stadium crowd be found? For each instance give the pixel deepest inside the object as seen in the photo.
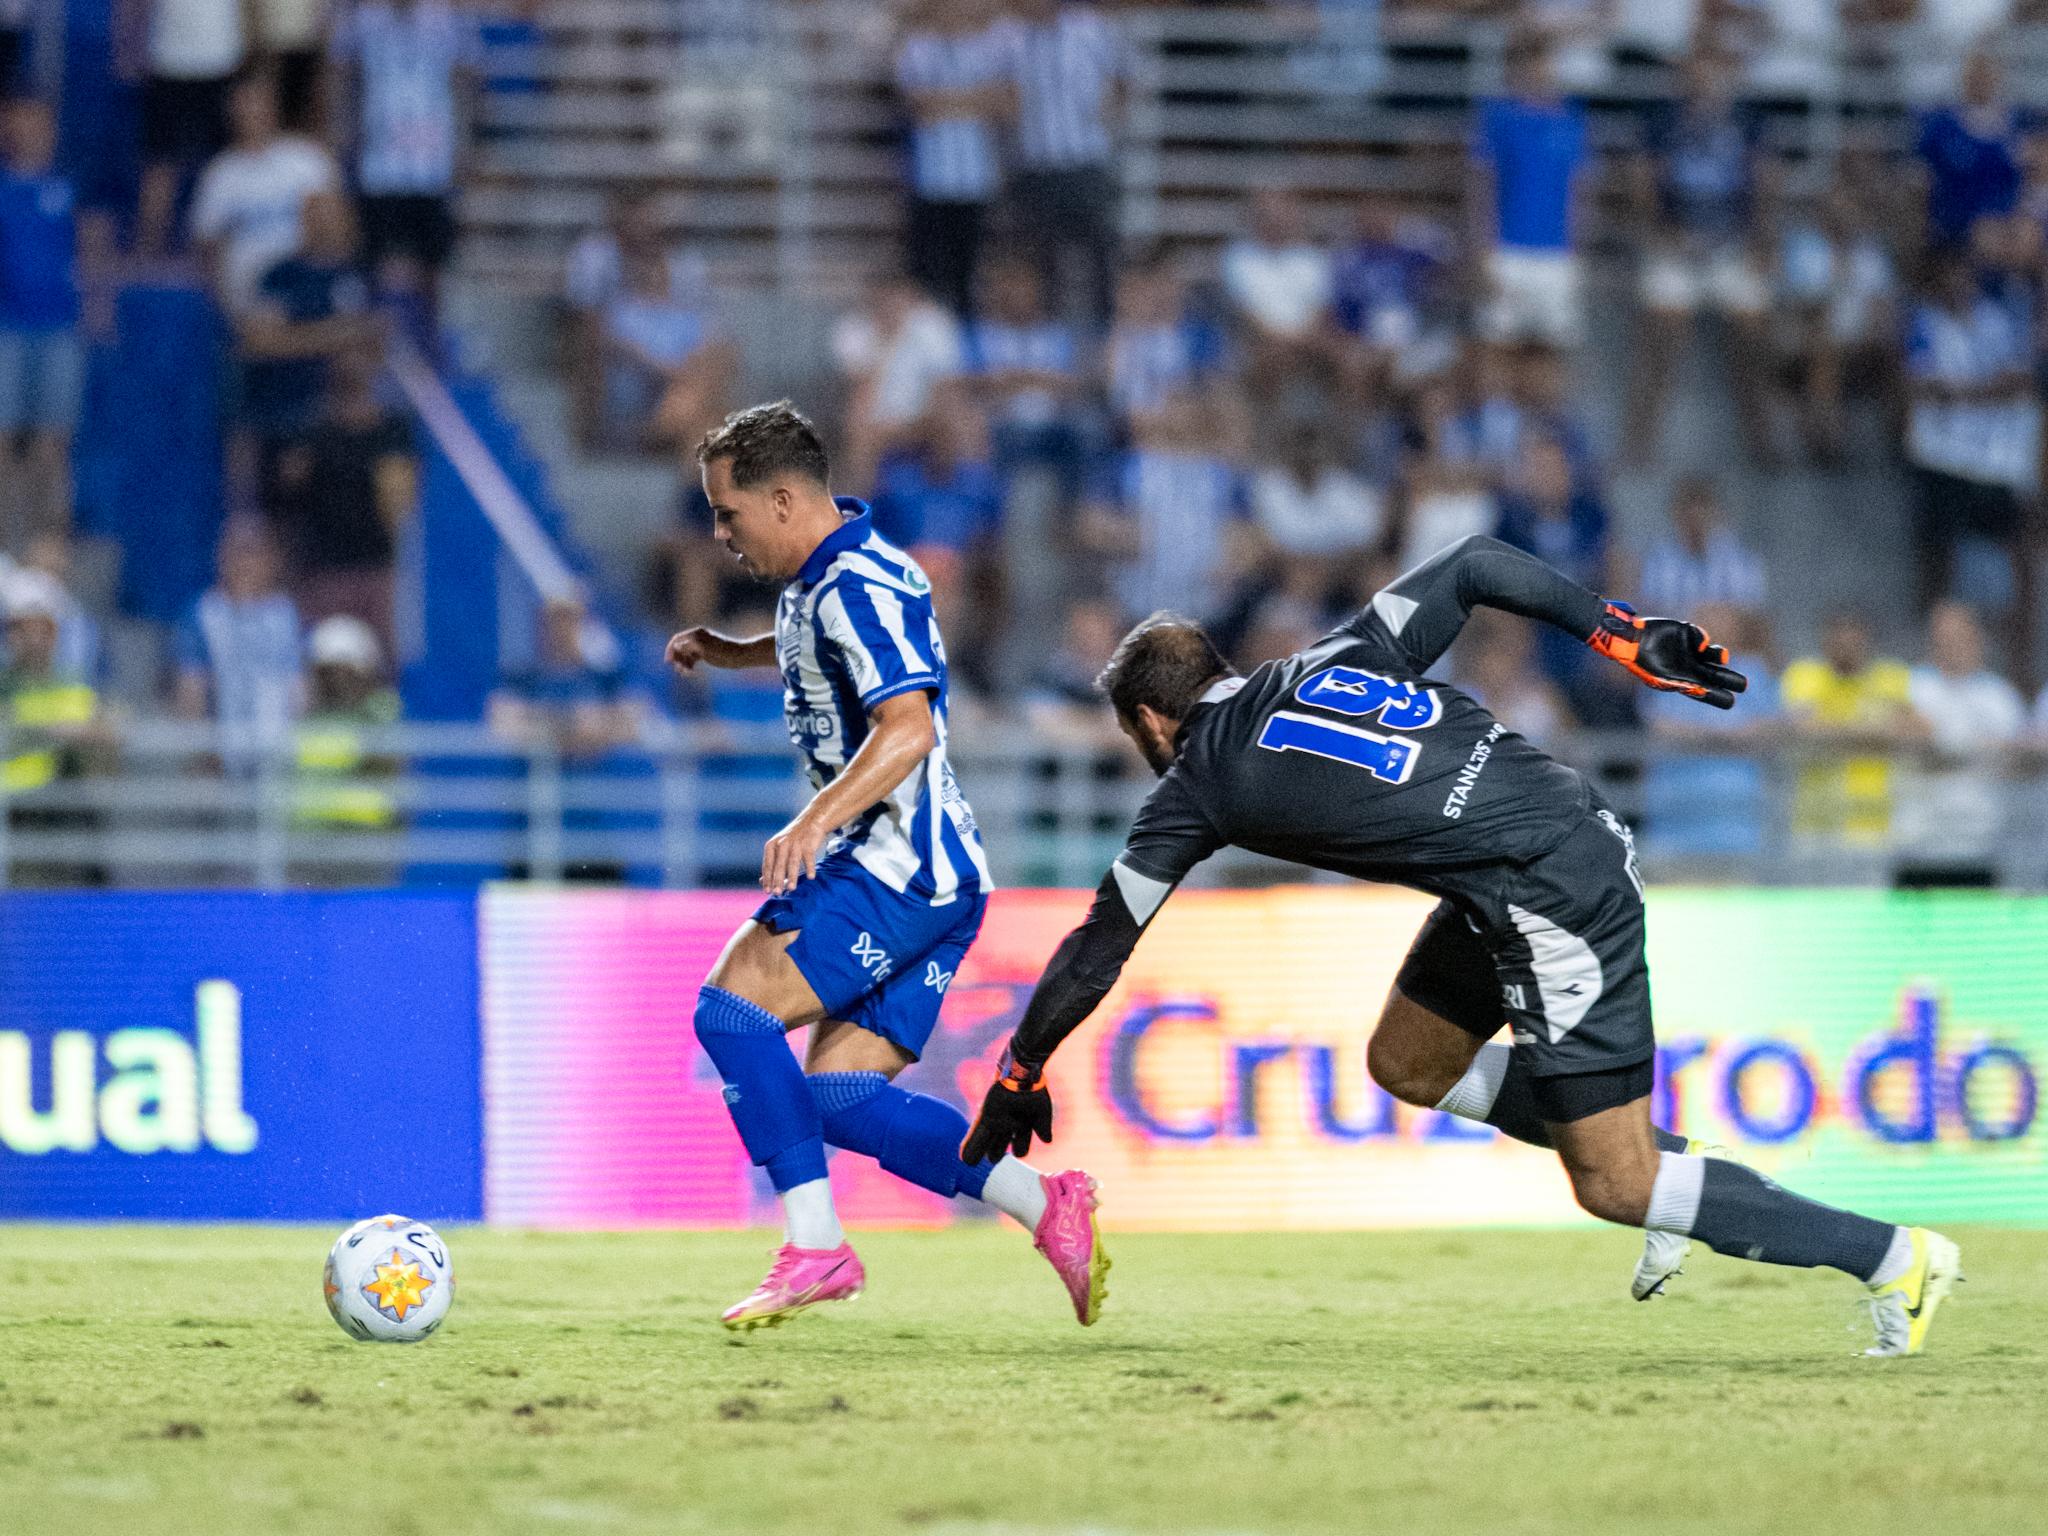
(1070, 432)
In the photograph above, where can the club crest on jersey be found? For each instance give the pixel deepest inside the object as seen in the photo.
(872, 956)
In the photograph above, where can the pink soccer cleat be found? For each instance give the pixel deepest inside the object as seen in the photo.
(1068, 1238)
(799, 1277)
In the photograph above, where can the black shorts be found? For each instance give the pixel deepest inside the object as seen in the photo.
(421, 226)
(184, 120)
(1946, 507)
(1554, 950)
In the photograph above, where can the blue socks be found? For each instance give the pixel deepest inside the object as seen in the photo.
(915, 1137)
(765, 1092)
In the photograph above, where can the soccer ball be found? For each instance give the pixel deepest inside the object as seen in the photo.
(388, 1280)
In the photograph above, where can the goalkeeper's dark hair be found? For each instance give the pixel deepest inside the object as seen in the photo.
(764, 441)
(1165, 662)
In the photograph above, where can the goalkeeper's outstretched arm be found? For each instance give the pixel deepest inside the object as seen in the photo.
(1418, 616)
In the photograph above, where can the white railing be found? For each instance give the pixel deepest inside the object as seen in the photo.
(159, 803)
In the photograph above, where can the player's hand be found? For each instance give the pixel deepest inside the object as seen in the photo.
(691, 646)
(1670, 655)
(1017, 1107)
(792, 854)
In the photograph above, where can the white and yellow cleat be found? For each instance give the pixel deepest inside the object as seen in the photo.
(1903, 1309)
(1664, 1252)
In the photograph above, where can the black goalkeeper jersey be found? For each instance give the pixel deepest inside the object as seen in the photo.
(1345, 757)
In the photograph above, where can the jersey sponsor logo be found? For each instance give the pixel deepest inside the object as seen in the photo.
(872, 956)
(935, 978)
(1468, 776)
(810, 726)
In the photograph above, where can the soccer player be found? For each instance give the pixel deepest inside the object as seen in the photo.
(1347, 757)
(875, 890)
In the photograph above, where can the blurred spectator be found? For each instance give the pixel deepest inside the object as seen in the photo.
(337, 766)
(1160, 361)
(1548, 513)
(403, 98)
(1025, 369)
(42, 363)
(1168, 514)
(1578, 33)
(570, 698)
(51, 719)
(1061, 700)
(1714, 801)
(1838, 293)
(1279, 283)
(943, 503)
(1970, 153)
(956, 69)
(16, 38)
(899, 354)
(238, 654)
(1493, 662)
(1950, 828)
(725, 86)
(248, 210)
(345, 493)
(595, 276)
(293, 33)
(186, 54)
(1073, 79)
(1700, 182)
(307, 310)
(1973, 428)
(50, 555)
(1541, 398)
(668, 370)
(1701, 560)
(1847, 700)
(1386, 289)
(1523, 191)
(1447, 488)
(1318, 515)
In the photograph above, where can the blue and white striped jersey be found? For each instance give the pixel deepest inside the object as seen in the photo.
(853, 629)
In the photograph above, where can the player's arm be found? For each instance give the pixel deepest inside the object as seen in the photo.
(900, 737)
(1170, 838)
(1419, 616)
(726, 652)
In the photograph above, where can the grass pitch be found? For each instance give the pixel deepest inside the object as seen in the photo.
(1487, 1384)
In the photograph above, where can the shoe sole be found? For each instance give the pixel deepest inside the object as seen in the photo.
(1098, 1274)
(782, 1315)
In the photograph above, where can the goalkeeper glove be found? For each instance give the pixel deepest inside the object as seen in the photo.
(1016, 1108)
(1669, 654)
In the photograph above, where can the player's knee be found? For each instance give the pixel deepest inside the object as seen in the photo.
(1401, 1072)
(1612, 1194)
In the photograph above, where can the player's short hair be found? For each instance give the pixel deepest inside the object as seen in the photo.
(1164, 662)
(764, 441)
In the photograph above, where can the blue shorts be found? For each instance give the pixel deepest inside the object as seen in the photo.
(875, 957)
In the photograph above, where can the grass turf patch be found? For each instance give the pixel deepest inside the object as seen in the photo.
(188, 1379)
